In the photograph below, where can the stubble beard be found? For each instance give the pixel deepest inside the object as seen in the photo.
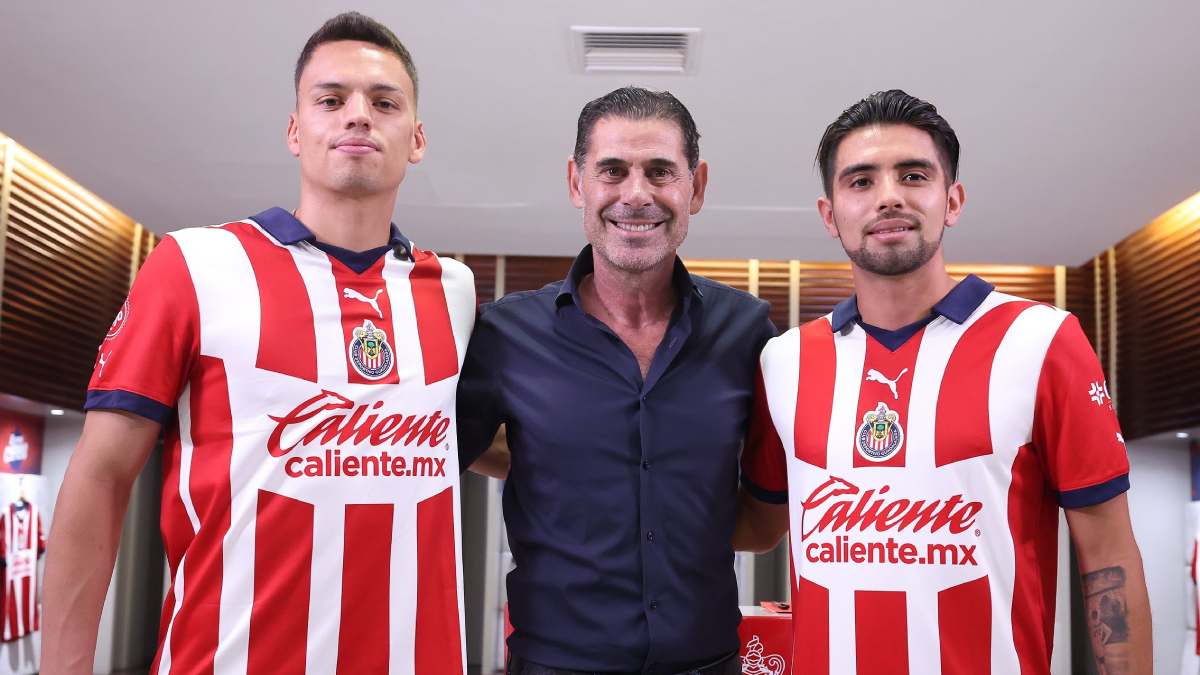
(606, 243)
(894, 260)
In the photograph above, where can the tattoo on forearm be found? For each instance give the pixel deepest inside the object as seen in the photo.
(1108, 618)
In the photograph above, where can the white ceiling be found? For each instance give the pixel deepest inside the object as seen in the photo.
(1079, 120)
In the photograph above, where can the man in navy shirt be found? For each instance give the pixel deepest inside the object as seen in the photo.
(626, 390)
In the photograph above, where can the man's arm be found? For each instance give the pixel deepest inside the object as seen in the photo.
(1114, 587)
(86, 530)
(760, 525)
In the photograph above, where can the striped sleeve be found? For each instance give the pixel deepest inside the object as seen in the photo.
(1075, 426)
(144, 361)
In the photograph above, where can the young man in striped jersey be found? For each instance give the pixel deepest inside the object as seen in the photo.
(303, 365)
(924, 435)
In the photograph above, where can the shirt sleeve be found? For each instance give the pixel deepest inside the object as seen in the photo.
(479, 403)
(764, 464)
(1075, 426)
(145, 359)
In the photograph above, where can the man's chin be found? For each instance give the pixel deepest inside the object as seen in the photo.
(633, 261)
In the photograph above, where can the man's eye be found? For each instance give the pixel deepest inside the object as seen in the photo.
(914, 177)
(327, 102)
(386, 104)
(659, 173)
(612, 171)
(860, 182)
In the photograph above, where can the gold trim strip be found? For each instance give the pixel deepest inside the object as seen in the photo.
(1060, 286)
(500, 271)
(1112, 325)
(135, 256)
(1098, 302)
(752, 276)
(793, 294)
(6, 175)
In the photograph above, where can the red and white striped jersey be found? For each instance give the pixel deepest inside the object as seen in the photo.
(924, 483)
(24, 540)
(310, 509)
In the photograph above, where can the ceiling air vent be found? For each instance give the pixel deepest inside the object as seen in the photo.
(602, 49)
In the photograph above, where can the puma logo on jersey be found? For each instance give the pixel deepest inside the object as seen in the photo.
(876, 376)
(103, 362)
(352, 294)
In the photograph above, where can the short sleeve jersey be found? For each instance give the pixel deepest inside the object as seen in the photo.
(310, 509)
(924, 482)
(23, 540)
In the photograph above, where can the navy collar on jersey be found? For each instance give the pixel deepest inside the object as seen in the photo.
(584, 265)
(287, 230)
(962, 300)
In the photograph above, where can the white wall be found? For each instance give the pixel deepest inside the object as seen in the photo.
(1160, 490)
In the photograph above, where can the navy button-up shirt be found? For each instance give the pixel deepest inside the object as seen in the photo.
(621, 497)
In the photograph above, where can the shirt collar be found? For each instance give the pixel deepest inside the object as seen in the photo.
(958, 305)
(584, 265)
(283, 226)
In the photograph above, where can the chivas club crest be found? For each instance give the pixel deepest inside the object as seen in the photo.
(370, 352)
(880, 436)
(119, 322)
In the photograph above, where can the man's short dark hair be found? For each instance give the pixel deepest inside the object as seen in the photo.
(889, 107)
(358, 28)
(636, 103)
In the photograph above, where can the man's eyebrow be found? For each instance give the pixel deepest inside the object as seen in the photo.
(861, 167)
(605, 162)
(662, 162)
(916, 164)
(377, 87)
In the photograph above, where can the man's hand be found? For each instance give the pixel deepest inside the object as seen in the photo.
(1114, 587)
(86, 530)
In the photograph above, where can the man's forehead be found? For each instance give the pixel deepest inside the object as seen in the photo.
(652, 136)
(885, 144)
(353, 63)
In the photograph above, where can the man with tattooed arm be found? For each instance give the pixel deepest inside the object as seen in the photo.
(925, 434)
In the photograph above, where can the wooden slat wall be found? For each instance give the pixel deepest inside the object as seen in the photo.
(67, 267)
(484, 267)
(528, 272)
(1081, 291)
(774, 286)
(1158, 309)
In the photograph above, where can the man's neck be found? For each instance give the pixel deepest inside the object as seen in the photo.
(633, 299)
(358, 224)
(892, 302)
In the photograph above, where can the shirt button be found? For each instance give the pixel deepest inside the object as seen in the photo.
(646, 465)
(653, 604)
(650, 535)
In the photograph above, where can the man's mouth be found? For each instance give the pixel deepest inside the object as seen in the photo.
(891, 227)
(357, 146)
(634, 226)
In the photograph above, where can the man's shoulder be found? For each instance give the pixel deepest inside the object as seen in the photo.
(207, 233)
(522, 302)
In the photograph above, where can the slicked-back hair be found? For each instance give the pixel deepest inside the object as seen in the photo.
(888, 107)
(636, 103)
(357, 27)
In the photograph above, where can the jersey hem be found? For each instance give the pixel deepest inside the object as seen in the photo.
(116, 399)
(1094, 494)
(763, 494)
